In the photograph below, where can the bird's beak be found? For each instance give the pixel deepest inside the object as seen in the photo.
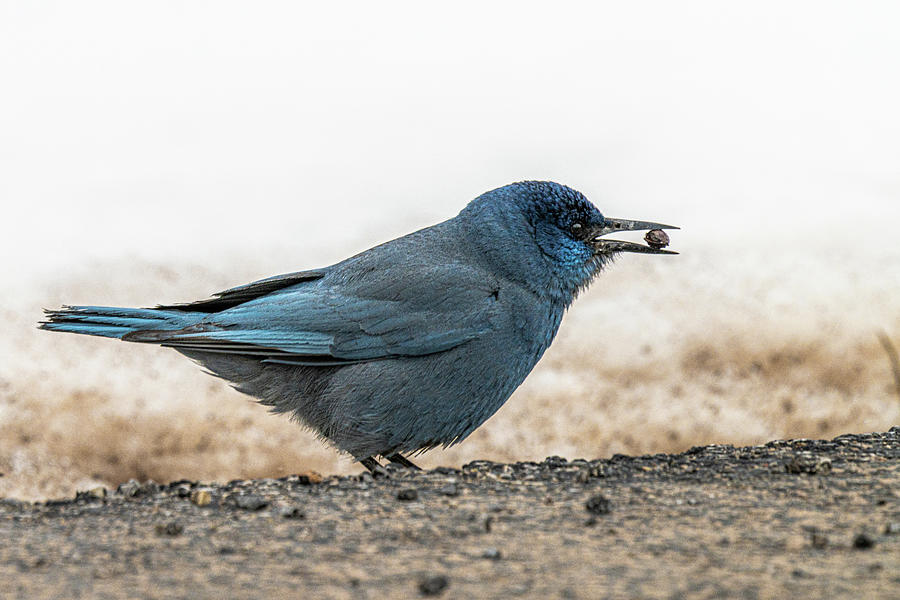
(613, 225)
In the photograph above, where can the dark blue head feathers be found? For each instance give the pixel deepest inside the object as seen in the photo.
(551, 216)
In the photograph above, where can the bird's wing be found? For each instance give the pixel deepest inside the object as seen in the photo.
(398, 312)
(244, 293)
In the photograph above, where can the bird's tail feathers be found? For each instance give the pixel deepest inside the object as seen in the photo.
(117, 322)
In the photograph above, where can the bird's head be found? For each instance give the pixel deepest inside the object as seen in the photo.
(567, 230)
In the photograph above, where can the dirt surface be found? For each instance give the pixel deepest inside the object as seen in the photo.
(794, 519)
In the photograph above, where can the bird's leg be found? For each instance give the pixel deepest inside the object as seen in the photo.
(399, 459)
(373, 466)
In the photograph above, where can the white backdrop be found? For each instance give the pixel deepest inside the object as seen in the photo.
(157, 152)
(173, 128)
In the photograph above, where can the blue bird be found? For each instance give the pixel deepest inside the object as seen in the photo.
(407, 346)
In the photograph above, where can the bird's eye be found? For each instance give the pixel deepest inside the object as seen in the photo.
(577, 228)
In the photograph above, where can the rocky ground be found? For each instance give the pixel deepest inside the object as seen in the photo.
(790, 519)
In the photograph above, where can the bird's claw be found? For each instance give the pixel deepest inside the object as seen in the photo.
(374, 467)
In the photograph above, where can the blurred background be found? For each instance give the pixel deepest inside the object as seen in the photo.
(159, 152)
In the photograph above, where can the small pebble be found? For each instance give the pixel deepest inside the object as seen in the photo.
(133, 488)
(449, 490)
(291, 512)
(487, 523)
(150, 487)
(201, 497)
(805, 463)
(250, 502)
(172, 528)
(555, 461)
(863, 541)
(491, 554)
(308, 478)
(818, 540)
(598, 505)
(35, 563)
(97, 493)
(434, 585)
(407, 495)
(129, 489)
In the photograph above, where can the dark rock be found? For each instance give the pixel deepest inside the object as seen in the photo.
(555, 461)
(33, 563)
(291, 512)
(172, 528)
(433, 585)
(598, 505)
(863, 541)
(93, 494)
(407, 495)
(818, 540)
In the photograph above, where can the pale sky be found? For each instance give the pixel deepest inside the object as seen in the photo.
(177, 130)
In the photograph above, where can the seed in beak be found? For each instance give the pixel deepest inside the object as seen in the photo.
(657, 238)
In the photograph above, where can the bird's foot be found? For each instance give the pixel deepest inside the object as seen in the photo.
(399, 459)
(374, 467)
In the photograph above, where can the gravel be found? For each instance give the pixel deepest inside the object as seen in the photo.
(800, 518)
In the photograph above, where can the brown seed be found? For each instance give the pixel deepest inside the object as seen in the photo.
(657, 238)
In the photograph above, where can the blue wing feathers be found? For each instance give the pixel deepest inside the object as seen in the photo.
(293, 342)
(303, 318)
(113, 321)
